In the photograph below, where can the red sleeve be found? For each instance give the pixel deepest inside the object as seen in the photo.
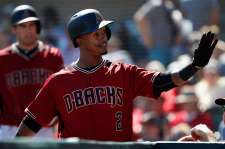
(55, 57)
(43, 108)
(59, 64)
(143, 81)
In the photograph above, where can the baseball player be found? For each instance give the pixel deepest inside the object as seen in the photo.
(24, 66)
(93, 97)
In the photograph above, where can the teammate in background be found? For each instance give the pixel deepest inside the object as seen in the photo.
(24, 67)
(93, 97)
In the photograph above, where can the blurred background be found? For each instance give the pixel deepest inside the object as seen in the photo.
(158, 35)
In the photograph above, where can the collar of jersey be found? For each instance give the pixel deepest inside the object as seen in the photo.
(74, 65)
(25, 56)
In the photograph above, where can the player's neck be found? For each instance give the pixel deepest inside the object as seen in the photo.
(86, 63)
(27, 47)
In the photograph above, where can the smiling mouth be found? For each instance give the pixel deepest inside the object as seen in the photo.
(103, 45)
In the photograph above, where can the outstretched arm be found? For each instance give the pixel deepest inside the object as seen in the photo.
(202, 54)
(28, 127)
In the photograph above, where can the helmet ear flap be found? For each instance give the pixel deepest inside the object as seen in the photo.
(75, 42)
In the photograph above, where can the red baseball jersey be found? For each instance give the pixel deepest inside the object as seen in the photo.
(21, 77)
(94, 104)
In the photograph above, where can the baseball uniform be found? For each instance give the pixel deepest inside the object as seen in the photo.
(22, 75)
(95, 104)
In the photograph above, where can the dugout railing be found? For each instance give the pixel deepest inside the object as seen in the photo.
(87, 144)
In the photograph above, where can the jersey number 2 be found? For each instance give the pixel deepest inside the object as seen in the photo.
(118, 116)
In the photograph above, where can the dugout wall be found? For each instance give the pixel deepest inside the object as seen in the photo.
(84, 144)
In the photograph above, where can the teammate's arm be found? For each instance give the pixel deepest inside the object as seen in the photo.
(165, 82)
(28, 127)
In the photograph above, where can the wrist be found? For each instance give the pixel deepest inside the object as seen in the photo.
(188, 71)
(196, 66)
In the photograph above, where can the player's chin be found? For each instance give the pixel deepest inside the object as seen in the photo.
(29, 41)
(105, 52)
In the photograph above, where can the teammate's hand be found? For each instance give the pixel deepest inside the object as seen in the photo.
(201, 132)
(205, 49)
(186, 138)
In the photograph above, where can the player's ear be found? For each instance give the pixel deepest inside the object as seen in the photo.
(77, 41)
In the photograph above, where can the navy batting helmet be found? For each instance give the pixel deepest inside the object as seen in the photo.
(87, 21)
(25, 13)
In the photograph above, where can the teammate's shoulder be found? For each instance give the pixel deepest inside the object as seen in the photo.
(49, 49)
(6, 51)
(55, 77)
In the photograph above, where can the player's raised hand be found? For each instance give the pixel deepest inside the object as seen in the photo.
(205, 49)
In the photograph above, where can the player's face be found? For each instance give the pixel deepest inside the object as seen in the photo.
(95, 42)
(26, 33)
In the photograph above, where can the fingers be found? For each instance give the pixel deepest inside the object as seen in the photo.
(214, 43)
(210, 38)
(187, 138)
(213, 46)
(203, 39)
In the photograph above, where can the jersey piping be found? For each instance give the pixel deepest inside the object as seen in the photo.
(74, 66)
(30, 114)
(40, 47)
